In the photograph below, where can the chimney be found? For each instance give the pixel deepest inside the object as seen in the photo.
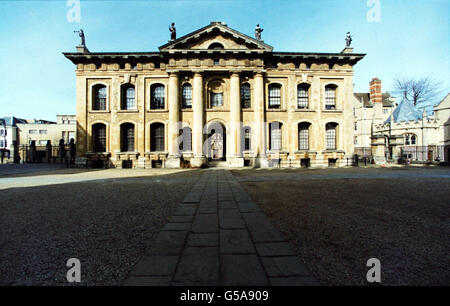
(375, 91)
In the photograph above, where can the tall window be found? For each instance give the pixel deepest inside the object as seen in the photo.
(99, 137)
(157, 96)
(157, 137)
(186, 96)
(274, 96)
(99, 97)
(128, 97)
(330, 97)
(127, 137)
(186, 139)
(302, 96)
(410, 139)
(247, 138)
(330, 136)
(275, 136)
(216, 99)
(303, 135)
(245, 95)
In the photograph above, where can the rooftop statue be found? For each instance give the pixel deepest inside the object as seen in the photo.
(258, 31)
(173, 31)
(81, 34)
(348, 40)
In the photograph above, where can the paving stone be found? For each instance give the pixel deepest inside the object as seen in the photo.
(284, 266)
(236, 242)
(185, 211)
(294, 281)
(205, 223)
(230, 218)
(261, 228)
(198, 266)
(227, 205)
(155, 265)
(168, 243)
(242, 270)
(248, 207)
(208, 209)
(181, 219)
(274, 249)
(209, 239)
(177, 227)
(148, 281)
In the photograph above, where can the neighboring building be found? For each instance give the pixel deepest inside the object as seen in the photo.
(214, 94)
(9, 133)
(42, 130)
(370, 108)
(442, 113)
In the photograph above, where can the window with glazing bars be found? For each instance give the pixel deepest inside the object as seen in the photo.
(157, 137)
(330, 97)
(99, 132)
(128, 101)
(216, 99)
(247, 139)
(330, 136)
(186, 96)
(274, 96)
(275, 136)
(303, 136)
(302, 96)
(157, 97)
(100, 98)
(245, 96)
(186, 140)
(127, 137)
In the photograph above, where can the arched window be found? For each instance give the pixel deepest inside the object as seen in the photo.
(99, 97)
(216, 46)
(330, 136)
(245, 96)
(157, 137)
(274, 96)
(186, 96)
(303, 135)
(410, 139)
(157, 93)
(99, 137)
(247, 138)
(302, 96)
(127, 137)
(330, 96)
(275, 141)
(186, 139)
(216, 93)
(128, 97)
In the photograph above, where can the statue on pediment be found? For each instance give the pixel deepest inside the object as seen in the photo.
(81, 34)
(173, 31)
(348, 40)
(258, 31)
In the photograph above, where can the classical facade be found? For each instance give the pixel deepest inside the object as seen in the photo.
(214, 94)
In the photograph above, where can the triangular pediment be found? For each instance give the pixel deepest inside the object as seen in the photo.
(216, 34)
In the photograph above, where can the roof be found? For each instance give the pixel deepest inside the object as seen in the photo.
(365, 97)
(11, 120)
(405, 111)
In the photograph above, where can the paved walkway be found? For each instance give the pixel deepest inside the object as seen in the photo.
(218, 236)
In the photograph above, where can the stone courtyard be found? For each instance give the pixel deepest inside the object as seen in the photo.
(221, 227)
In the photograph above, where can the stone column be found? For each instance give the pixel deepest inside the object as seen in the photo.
(234, 154)
(173, 160)
(199, 158)
(259, 145)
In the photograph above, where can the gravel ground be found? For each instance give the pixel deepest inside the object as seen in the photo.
(336, 225)
(106, 223)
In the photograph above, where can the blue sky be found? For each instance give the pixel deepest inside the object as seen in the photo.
(411, 39)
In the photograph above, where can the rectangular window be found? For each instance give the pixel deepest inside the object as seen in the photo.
(32, 132)
(2, 132)
(331, 139)
(2, 144)
(303, 139)
(356, 140)
(42, 142)
(216, 99)
(274, 96)
(247, 140)
(159, 139)
(330, 98)
(302, 98)
(42, 132)
(275, 136)
(356, 126)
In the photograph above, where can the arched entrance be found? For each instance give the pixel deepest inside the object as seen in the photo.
(216, 142)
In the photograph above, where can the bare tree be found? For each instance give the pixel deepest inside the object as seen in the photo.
(419, 90)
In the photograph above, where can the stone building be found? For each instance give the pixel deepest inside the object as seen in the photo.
(214, 94)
